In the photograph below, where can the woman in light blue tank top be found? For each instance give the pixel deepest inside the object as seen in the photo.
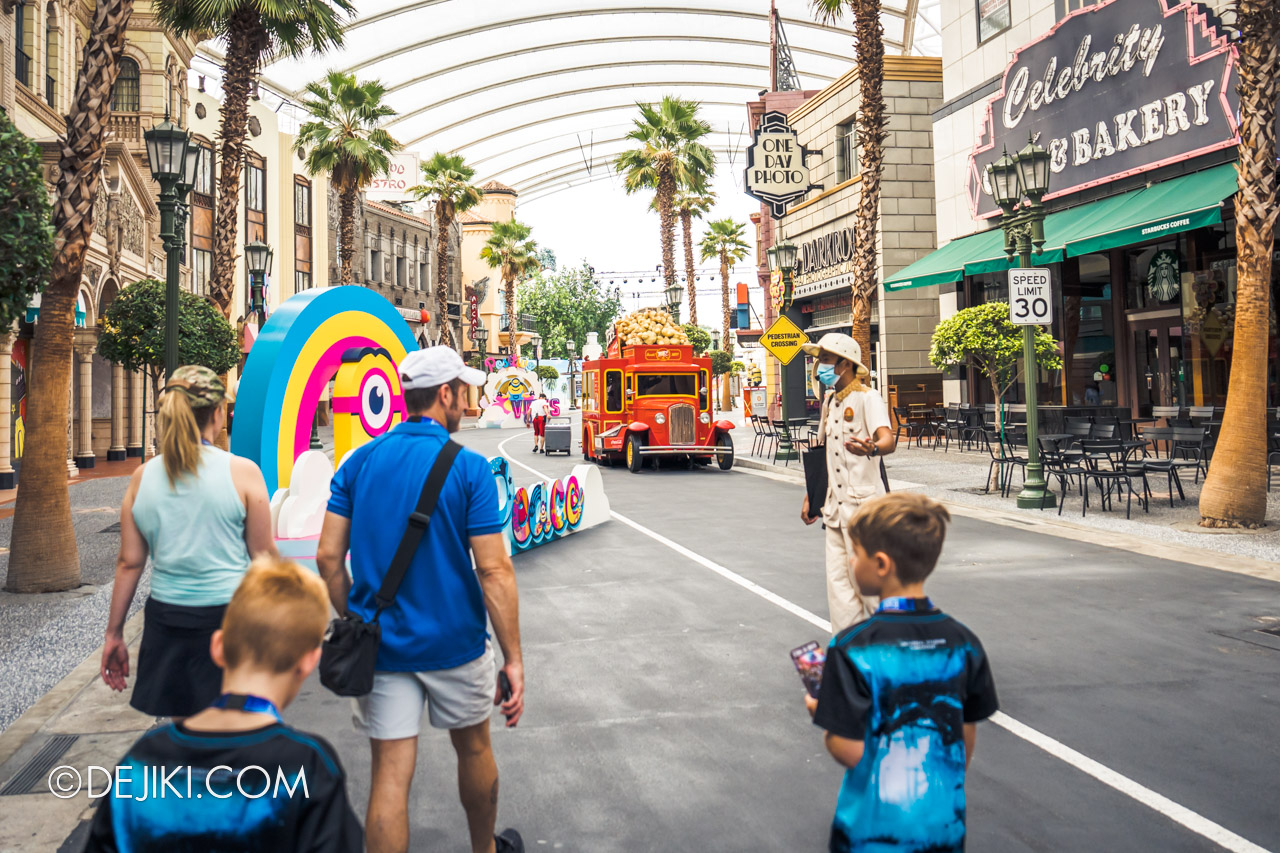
(200, 515)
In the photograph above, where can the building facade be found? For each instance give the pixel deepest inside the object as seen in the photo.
(483, 291)
(822, 226)
(280, 205)
(1135, 102)
(396, 256)
(40, 51)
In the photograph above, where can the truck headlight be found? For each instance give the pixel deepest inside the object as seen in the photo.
(660, 418)
(705, 418)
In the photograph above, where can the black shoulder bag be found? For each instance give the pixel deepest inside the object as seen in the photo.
(350, 651)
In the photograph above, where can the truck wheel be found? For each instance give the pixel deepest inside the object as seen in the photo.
(634, 460)
(725, 460)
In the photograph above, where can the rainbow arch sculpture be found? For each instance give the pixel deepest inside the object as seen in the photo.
(299, 350)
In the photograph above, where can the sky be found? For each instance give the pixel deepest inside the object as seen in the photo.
(618, 235)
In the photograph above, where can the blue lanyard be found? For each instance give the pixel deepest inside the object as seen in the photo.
(247, 703)
(905, 605)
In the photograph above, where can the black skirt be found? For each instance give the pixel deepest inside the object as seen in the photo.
(176, 677)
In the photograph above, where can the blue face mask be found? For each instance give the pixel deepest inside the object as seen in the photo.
(827, 374)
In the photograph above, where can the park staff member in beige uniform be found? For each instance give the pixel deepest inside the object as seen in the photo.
(855, 428)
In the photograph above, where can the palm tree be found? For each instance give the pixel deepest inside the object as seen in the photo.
(1234, 493)
(446, 178)
(724, 241)
(253, 30)
(346, 140)
(691, 204)
(669, 156)
(514, 255)
(43, 555)
(869, 59)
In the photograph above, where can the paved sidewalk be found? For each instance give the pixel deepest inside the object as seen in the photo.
(958, 477)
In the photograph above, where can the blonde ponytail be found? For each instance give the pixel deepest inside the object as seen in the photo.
(179, 435)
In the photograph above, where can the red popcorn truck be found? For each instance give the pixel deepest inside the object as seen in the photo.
(651, 400)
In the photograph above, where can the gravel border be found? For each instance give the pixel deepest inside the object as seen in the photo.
(45, 636)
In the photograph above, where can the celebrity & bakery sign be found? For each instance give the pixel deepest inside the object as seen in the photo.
(1113, 90)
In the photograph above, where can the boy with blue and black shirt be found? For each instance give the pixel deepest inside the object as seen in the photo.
(234, 777)
(902, 692)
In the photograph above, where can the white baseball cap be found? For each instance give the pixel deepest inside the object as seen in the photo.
(435, 366)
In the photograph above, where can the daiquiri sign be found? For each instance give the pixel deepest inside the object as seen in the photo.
(776, 174)
(1113, 90)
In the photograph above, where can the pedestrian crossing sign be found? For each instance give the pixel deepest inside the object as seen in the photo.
(784, 339)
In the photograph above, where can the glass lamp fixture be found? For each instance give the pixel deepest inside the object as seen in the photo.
(257, 256)
(783, 256)
(191, 168)
(167, 151)
(675, 295)
(1003, 174)
(1033, 170)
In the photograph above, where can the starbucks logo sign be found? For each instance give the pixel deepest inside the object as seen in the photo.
(1164, 276)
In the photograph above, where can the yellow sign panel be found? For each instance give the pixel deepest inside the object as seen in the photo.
(783, 340)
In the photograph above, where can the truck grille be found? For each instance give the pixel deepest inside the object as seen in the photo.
(680, 418)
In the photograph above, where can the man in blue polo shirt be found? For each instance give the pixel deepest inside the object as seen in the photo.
(435, 649)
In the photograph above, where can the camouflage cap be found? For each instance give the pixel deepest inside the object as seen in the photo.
(201, 385)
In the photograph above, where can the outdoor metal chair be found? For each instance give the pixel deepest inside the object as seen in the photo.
(972, 428)
(769, 436)
(1107, 463)
(785, 441)
(1273, 451)
(1103, 431)
(913, 429)
(1065, 469)
(757, 442)
(1079, 429)
(937, 426)
(1201, 413)
(1166, 413)
(1154, 435)
(1189, 443)
(1005, 461)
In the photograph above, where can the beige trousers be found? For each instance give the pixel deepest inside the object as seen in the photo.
(845, 603)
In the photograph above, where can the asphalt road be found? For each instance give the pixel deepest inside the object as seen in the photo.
(663, 712)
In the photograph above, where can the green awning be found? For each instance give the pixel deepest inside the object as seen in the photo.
(1181, 204)
(944, 265)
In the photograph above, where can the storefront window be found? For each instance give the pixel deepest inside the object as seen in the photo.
(1153, 276)
(1088, 335)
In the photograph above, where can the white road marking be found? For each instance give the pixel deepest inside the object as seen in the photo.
(1159, 803)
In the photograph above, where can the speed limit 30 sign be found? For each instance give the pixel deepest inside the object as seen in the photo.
(1030, 297)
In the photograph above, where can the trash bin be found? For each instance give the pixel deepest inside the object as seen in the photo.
(559, 438)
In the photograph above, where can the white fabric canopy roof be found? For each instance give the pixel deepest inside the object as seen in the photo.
(538, 95)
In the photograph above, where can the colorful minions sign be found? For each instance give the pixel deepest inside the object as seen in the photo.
(356, 338)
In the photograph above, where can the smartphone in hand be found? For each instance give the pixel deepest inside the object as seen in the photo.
(808, 660)
(504, 684)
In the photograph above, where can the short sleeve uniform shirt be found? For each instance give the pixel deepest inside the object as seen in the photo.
(851, 479)
(904, 683)
(437, 620)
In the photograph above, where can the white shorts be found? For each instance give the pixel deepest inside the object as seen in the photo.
(456, 698)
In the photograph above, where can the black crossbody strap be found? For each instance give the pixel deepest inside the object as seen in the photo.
(419, 520)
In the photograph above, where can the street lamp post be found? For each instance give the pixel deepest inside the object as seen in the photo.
(1013, 177)
(174, 171)
(782, 260)
(257, 257)
(570, 346)
(482, 340)
(675, 295)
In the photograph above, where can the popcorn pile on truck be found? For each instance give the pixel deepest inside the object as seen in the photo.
(649, 396)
